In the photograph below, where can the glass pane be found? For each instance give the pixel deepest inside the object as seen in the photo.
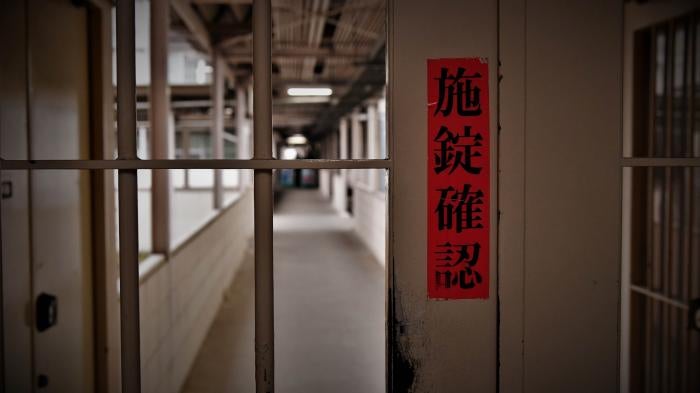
(659, 233)
(679, 138)
(662, 207)
(660, 106)
(662, 122)
(679, 232)
(696, 87)
(695, 235)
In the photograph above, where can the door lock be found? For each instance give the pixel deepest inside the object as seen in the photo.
(694, 314)
(46, 311)
(6, 189)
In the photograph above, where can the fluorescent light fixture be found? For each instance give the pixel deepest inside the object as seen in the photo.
(309, 91)
(297, 139)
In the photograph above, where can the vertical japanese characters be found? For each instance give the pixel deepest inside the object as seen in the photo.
(458, 178)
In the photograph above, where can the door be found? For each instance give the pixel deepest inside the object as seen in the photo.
(660, 349)
(60, 203)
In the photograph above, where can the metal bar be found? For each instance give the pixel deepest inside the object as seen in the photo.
(657, 161)
(263, 196)
(2, 311)
(160, 133)
(649, 306)
(128, 204)
(667, 227)
(659, 297)
(135, 163)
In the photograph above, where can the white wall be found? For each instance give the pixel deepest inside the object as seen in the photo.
(370, 220)
(180, 298)
(324, 182)
(339, 193)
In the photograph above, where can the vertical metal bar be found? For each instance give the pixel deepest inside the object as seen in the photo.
(128, 217)
(651, 279)
(160, 133)
(2, 312)
(688, 368)
(391, 329)
(648, 304)
(690, 104)
(667, 258)
(262, 138)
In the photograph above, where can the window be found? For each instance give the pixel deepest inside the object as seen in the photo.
(663, 214)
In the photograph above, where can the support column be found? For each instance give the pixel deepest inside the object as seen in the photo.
(344, 146)
(372, 143)
(242, 131)
(217, 132)
(340, 181)
(262, 112)
(356, 143)
(343, 135)
(160, 119)
(128, 200)
(356, 135)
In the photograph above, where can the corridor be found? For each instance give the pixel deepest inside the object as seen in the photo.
(329, 310)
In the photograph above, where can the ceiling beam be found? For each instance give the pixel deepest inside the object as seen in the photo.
(194, 23)
(246, 55)
(229, 2)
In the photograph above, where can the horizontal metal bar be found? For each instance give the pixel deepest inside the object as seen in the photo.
(659, 297)
(193, 164)
(659, 161)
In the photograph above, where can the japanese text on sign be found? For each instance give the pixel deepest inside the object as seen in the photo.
(458, 179)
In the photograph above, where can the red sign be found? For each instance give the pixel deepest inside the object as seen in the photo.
(458, 178)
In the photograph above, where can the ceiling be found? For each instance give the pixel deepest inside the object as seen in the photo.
(334, 43)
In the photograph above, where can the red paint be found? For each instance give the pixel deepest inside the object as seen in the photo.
(454, 271)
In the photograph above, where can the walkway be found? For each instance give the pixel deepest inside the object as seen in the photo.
(329, 311)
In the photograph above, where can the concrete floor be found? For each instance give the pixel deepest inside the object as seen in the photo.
(329, 310)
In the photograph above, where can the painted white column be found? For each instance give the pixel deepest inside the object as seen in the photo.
(340, 180)
(243, 132)
(357, 144)
(343, 135)
(356, 134)
(372, 143)
(217, 132)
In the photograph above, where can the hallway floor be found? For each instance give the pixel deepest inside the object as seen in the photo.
(329, 310)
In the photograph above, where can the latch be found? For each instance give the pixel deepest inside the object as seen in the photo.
(6, 189)
(694, 314)
(46, 311)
